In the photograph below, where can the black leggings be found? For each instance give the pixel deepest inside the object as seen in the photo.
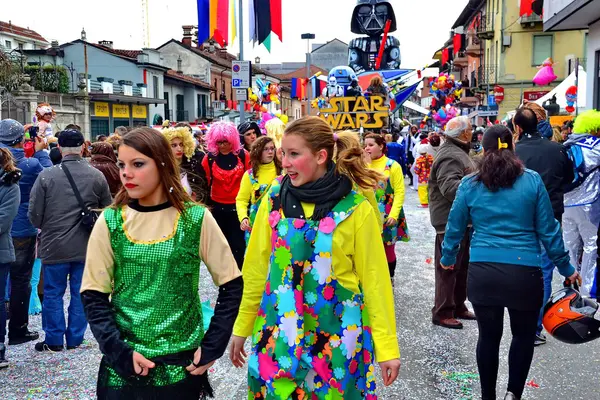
(523, 325)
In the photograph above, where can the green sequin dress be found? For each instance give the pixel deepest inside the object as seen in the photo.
(155, 300)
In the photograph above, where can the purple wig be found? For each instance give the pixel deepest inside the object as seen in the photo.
(220, 131)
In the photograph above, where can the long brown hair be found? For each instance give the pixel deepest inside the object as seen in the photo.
(7, 162)
(343, 148)
(256, 155)
(152, 144)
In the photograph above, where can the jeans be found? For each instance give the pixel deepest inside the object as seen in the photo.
(4, 268)
(490, 320)
(20, 285)
(547, 270)
(53, 317)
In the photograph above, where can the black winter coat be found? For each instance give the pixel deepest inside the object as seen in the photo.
(549, 159)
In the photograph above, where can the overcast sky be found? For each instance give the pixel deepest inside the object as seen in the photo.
(423, 25)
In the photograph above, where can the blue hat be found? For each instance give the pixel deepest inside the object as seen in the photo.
(70, 138)
(11, 132)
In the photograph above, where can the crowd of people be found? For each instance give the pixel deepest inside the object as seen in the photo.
(310, 218)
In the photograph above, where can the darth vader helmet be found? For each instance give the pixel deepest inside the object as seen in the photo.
(370, 16)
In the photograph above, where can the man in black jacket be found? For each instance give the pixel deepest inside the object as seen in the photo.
(549, 159)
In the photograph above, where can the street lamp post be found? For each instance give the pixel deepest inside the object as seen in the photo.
(84, 39)
(308, 37)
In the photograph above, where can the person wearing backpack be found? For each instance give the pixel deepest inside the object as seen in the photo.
(582, 205)
(62, 204)
(550, 161)
(225, 165)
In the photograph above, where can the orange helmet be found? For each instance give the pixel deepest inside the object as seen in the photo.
(570, 318)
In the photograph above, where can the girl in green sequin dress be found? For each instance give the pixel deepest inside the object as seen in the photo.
(141, 281)
(315, 306)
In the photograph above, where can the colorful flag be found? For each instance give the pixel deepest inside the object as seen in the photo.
(252, 22)
(222, 31)
(213, 16)
(233, 12)
(293, 88)
(458, 43)
(526, 9)
(262, 9)
(204, 32)
(276, 22)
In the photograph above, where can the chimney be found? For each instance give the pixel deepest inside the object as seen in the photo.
(187, 35)
(106, 43)
(54, 44)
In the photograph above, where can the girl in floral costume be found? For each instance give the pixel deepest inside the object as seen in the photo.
(390, 196)
(313, 303)
(264, 168)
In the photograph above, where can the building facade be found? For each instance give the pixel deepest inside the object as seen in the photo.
(566, 15)
(501, 52)
(14, 37)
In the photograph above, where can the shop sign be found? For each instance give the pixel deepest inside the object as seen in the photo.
(355, 112)
(534, 95)
(120, 111)
(101, 109)
(139, 112)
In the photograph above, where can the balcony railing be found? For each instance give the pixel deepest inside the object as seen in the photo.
(206, 113)
(531, 19)
(182, 115)
(461, 59)
(486, 75)
(485, 30)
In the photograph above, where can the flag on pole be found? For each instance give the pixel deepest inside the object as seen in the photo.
(222, 31)
(276, 23)
(262, 8)
(252, 23)
(213, 16)
(233, 12)
(204, 32)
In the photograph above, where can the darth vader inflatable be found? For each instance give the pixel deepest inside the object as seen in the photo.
(369, 18)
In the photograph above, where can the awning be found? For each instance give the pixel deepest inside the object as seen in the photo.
(560, 90)
(120, 98)
(415, 107)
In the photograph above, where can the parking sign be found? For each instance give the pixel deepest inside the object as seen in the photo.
(240, 75)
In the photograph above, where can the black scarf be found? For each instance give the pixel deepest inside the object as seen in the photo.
(325, 193)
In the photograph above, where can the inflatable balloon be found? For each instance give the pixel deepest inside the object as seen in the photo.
(546, 74)
(571, 97)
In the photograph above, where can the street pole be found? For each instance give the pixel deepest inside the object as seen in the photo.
(241, 103)
(308, 36)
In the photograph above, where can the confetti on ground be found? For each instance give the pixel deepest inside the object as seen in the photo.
(532, 384)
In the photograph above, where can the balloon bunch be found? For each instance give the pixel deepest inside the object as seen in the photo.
(445, 89)
(266, 117)
(444, 114)
(266, 93)
(571, 96)
(319, 102)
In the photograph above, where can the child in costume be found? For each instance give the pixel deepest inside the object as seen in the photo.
(423, 170)
(140, 284)
(390, 196)
(264, 168)
(45, 114)
(311, 274)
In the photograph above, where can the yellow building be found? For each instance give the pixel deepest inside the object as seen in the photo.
(514, 46)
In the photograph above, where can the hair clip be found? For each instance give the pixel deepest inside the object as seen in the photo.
(502, 145)
(335, 137)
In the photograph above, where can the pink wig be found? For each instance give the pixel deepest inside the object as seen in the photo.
(220, 131)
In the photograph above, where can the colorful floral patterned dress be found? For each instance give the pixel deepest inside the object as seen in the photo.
(257, 196)
(385, 198)
(312, 338)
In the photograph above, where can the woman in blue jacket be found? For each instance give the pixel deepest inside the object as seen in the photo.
(504, 269)
(10, 196)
